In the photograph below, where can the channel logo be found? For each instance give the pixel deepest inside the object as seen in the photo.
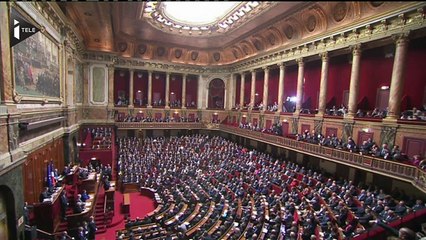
(20, 29)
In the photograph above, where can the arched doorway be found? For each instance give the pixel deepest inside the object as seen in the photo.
(7, 214)
(216, 98)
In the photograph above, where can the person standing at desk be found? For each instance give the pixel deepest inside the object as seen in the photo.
(92, 228)
(26, 214)
(64, 204)
(84, 196)
(45, 194)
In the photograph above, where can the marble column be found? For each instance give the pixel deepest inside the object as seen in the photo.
(398, 74)
(201, 95)
(323, 84)
(253, 89)
(300, 82)
(110, 85)
(354, 82)
(167, 97)
(281, 87)
(131, 97)
(265, 88)
(243, 78)
(184, 91)
(230, 92)
(149, 89)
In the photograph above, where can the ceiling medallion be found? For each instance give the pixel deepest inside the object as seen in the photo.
(194, 56)
(181, 18)
(289, 32)
(216, 56)
(311, 23)
(340, 10)
(142, 49)
(178, 53)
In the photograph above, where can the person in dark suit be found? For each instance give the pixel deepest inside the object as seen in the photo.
(84, 196)
(26, 214)
(92, 228)
(366, 218)
(80, 234)
(403, 233)
(419, 205)
(79, 205)
(64, 204)
(401, 209)
(45, 194)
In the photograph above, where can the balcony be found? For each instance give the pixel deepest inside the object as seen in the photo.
(403, 172)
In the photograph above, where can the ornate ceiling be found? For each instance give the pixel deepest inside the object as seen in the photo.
(133, 29)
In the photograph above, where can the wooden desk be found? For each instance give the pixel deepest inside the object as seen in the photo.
(126, 204)
(48, 214)
(109, 196)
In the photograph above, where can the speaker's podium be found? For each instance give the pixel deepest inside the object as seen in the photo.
(30, 232)
(110, 196)
(125, 208)
(48, 213)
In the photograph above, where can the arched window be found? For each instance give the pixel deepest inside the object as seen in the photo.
(216, 98)
(7, 214)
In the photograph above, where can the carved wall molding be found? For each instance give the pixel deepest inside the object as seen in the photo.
(363, 33)
(388, 135)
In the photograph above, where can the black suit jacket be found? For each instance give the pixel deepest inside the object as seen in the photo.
(43, 196)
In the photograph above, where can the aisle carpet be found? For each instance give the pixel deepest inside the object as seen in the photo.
(140, 206)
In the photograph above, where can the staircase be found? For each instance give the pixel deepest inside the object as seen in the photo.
(102, 219)
(71, 192)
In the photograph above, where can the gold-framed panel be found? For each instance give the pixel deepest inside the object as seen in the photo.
(36, 65)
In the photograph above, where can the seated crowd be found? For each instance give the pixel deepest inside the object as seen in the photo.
(368, 147)
(141, 118)
(211, 188)
(414, 114)
(101, 137)
(275, 128)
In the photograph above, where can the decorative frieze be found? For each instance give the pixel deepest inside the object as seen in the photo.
(412, 19)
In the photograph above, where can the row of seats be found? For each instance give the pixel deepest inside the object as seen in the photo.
(209, 173)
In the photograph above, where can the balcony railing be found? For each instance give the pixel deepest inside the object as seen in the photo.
(401, 171)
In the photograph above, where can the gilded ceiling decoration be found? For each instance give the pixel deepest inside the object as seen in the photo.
(235, 15)
(133, 29)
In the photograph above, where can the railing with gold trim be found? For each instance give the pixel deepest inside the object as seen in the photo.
(401, 171)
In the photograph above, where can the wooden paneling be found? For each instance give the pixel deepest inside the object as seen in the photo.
(284, 128)
(254, 121)
(305, 127)
(268, 124)
(364, 136)
(330, 131)
(34, 168)
(414, 146)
